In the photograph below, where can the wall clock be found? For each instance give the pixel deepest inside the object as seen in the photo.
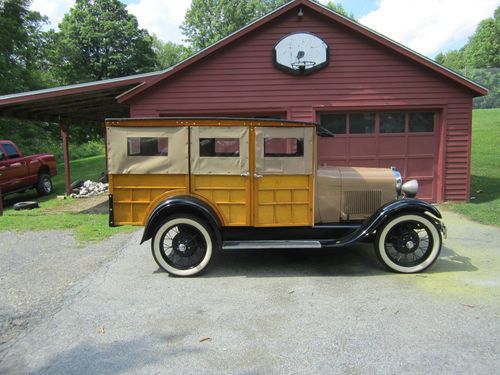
(301, 53)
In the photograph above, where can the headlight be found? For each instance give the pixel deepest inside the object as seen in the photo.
(399, 180)
(410, 188)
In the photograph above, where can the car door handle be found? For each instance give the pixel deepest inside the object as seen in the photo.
(256, 175)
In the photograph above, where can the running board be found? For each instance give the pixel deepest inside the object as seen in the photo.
(275, 244)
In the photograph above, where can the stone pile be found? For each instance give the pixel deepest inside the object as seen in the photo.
(90, 189)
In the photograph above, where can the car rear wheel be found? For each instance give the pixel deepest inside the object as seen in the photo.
(44, 184)
(408, 243)
(183, 245)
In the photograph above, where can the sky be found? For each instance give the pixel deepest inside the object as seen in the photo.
(426, 26)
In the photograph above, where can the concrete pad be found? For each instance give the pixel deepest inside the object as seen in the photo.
(301, 311)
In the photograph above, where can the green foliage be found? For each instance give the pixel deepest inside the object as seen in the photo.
(88, 149)
(453, 59)
(485, 169)
(339, 9)
(22, 47)
(479, 60)
(41, 137)
(99, 39)
(208, 21)
(169, 53)
(489, 78)
(483, 48)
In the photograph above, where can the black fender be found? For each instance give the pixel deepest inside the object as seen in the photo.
(182, 204)
(378, 219)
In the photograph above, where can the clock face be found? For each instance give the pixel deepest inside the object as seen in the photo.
(301, 53)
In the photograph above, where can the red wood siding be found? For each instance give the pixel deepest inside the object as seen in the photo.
(362, 74)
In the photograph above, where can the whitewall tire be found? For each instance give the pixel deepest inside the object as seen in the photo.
(408, 243)
(183, 245)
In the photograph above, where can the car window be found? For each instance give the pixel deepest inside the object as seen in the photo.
(2, 155)
(147, 146)
(283, 147)
(219, 147)
(10, 150)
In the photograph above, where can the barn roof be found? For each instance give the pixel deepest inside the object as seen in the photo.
(334, 16)
(94, 101)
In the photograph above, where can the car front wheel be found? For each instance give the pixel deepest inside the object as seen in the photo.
(408, 243)
(183, 245)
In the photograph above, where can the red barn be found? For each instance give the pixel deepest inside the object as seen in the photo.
(386, 105)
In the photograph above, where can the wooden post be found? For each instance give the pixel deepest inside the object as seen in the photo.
(64, 136)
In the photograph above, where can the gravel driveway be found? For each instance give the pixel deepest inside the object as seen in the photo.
(114, 312)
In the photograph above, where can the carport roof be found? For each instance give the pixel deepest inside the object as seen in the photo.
(83, 103)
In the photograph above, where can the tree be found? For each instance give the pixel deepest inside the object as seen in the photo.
(479, 60)
(169, 53)
(339, 9)
(21, 47)
(99, 39)
(483, 48)
(208, 21)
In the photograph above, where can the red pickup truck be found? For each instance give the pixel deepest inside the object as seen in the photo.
(19, 172)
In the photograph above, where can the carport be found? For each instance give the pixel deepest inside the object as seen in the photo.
(81, 104)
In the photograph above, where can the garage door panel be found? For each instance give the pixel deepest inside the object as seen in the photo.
(420, 167)
(418, 145)
(366, 147)
(400, 164)
(412, 147)
(392, 146)
(425, 189)
(331, 147)
(370, 163)
(334, 162)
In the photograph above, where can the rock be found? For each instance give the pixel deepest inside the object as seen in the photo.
(90, 189)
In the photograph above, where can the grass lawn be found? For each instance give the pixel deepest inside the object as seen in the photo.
(56, 213)
(485, 169)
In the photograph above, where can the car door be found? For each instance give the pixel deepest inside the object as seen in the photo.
(13, 169)
(220, 170)
(283, 178)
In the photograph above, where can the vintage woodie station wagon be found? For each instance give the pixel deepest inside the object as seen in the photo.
(202, 185)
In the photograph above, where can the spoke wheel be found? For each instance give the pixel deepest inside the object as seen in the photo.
(408, 243)
(183, 245)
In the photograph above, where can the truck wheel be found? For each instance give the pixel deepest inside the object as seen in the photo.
(183, 245)
(44, 184)
(408, 243)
